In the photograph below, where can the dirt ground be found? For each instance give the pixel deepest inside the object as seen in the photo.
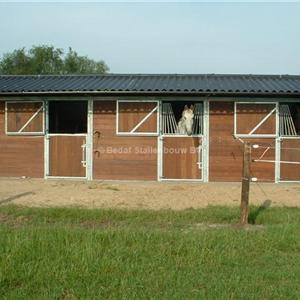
(140, 195)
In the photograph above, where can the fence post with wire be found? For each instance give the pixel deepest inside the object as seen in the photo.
(246, 178)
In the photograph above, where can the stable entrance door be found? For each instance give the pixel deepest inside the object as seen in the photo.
(182, 157)
(181, 140)
(67, 139)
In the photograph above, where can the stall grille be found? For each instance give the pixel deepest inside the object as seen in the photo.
(169, 124)
(198, 119)
(286, 123)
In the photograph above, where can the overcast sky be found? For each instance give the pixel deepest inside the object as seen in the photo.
(163, 37)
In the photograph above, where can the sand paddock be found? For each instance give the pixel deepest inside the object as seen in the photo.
(140, 195)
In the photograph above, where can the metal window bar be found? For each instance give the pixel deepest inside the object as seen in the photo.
(286, 123)
(169, 124)
(198, 119)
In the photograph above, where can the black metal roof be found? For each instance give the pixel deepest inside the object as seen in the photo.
(213, 84)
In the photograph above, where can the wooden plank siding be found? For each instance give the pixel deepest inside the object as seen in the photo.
(290, 151)
(20, 155)
(225, 152)
(180, 158)
(19, 113)
(65, 156)
(131, 113)
(249, 115)
(120, 157)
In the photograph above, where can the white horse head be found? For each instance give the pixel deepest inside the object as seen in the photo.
(185, 124)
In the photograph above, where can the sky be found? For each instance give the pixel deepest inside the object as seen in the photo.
(249, 38)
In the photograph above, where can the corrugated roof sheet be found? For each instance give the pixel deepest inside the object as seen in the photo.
(151, 83)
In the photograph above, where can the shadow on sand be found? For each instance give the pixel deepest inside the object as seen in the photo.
(9, 199)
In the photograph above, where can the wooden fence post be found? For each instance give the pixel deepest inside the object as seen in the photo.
(246, 178)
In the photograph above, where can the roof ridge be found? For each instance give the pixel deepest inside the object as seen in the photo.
(151, 74)
(152, 83)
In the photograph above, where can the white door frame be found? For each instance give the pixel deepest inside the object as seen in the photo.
(88, 148)
(204, 147)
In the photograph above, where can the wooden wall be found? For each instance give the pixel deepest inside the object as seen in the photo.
(24, 155)
(290, 151)
(248, 115)
(19, 113)
(20, 155)
(225, 152)
(132, 113)
(120, 157)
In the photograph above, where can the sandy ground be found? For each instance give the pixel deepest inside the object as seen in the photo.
(140, 195)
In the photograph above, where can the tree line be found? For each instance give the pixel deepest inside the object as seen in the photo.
(44, 60)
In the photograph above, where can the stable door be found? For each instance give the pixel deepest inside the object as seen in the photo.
(67, 139)
(67, 155)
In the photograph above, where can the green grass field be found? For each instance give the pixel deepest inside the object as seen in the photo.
(118, 254)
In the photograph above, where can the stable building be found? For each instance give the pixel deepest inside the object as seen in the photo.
(125, 127)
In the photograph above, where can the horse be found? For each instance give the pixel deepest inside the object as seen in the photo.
(185, 124)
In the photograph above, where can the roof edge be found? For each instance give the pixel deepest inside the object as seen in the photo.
(153, 74)
(150, 93)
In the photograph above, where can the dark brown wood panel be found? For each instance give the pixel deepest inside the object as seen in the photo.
(180, 158)
(249, 115)
(226, 152)
(65, 156)
(20, 155)
(19, 113)
(290, 151)
(131, 113)
(120, 157)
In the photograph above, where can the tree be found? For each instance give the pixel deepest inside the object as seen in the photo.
(49, 60)
(74, 63)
